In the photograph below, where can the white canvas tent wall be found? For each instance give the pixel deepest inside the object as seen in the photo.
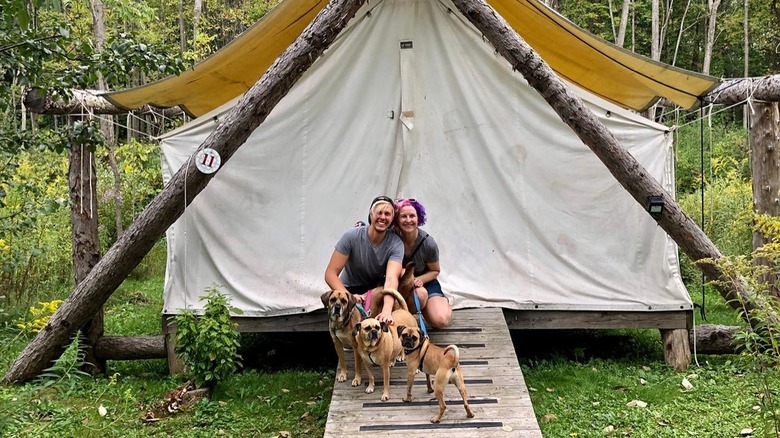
(525, 215)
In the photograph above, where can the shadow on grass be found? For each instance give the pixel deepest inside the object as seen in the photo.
(283, 351)
(583, 345)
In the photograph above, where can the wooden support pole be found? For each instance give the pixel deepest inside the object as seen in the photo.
(250, 111)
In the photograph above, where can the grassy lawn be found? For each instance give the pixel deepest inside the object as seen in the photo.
(582, 383)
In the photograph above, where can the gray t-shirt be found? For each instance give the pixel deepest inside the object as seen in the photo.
(367, 263)
(428, 253)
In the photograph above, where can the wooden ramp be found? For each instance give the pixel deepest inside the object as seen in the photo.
(497, 392)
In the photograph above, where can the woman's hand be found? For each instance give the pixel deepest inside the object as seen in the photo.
(360, 299)
(418, 282)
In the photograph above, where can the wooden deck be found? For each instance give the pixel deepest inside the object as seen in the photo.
(497, 392)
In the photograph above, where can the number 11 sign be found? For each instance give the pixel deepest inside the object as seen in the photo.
(207, 160)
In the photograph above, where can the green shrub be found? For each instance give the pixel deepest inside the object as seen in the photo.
(759, 346)
(208, 344)
(728, 221)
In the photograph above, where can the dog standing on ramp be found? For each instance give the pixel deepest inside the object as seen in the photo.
(342, 317)
(431, 359)
(377, 344)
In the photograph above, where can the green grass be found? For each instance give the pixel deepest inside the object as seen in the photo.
(581, 383)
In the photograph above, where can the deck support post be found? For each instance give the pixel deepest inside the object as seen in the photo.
(677, 348)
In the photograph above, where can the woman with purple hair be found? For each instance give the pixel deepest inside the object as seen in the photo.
(421, 248)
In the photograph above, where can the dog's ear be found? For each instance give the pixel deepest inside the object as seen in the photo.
(356, 329)
(352, 299)
(401, 329)
(325, 297)
(385, 327)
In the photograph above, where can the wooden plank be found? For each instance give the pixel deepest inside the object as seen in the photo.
(496, 388)
(548, 319)
(465, 319)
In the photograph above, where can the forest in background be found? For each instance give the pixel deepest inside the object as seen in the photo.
(55, 46)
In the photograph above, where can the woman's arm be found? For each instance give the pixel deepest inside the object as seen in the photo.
(431, 274)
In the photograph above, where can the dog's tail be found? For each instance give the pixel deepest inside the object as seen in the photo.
(398, 298)
(455, 351)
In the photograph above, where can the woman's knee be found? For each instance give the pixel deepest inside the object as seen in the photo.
(438, 313)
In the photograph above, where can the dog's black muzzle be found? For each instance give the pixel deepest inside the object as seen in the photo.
(337, 310)
(407, 342)
(373, 335)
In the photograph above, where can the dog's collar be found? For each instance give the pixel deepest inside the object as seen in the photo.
(372, 359)
(347, 315)
(419, 346)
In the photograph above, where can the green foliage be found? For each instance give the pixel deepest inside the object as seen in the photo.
(726, 155)
(760, 346)
(728, 221)
(208, 344)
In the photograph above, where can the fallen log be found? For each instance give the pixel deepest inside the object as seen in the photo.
(714, 339)
(130, 347)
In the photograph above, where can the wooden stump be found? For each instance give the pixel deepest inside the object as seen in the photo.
(677, 349)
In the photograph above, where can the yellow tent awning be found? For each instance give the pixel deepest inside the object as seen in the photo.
(625, 78)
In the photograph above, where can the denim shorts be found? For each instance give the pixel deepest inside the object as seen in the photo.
(434, 288)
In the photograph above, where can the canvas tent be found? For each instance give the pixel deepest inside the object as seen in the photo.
(635, 81)
(411, 101)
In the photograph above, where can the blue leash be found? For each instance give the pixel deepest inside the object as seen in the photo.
(419, 313)
(362, 311)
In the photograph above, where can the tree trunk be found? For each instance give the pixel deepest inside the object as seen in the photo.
(680, 32)
(621, 36)
(655, 30)
(93, 329)
(250, 111)
(196, 11)
(182, 30)
(709, 41)
(623, 166)
(765, 145)
(40, 103)
(86, 250)
(130, 347)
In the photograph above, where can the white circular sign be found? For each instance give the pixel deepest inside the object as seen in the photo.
(207, 160)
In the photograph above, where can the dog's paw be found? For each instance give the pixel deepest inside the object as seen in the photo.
(369, 389)
(435, 419)
(342, 377)
(385, 396)
(356, 381)
(408, 398)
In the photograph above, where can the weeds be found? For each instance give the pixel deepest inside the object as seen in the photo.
(208, 344)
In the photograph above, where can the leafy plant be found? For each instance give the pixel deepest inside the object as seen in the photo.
(208, 344)
(760, 346)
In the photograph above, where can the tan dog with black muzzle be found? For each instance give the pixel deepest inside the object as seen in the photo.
(422, 354)
(377, 344)
(342, 317)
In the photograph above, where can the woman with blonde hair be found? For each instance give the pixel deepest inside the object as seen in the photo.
(369, 256)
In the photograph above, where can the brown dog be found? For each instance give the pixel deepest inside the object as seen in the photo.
(423, 355)
(405, 291)
(342, 317)
(401, 315)
(377, 344)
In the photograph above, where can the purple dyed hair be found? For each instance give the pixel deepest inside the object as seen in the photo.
(417, 207)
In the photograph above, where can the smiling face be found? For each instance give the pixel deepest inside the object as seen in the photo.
(407, 219)
(382, 216)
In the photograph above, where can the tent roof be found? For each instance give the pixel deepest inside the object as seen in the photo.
(635, 82)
